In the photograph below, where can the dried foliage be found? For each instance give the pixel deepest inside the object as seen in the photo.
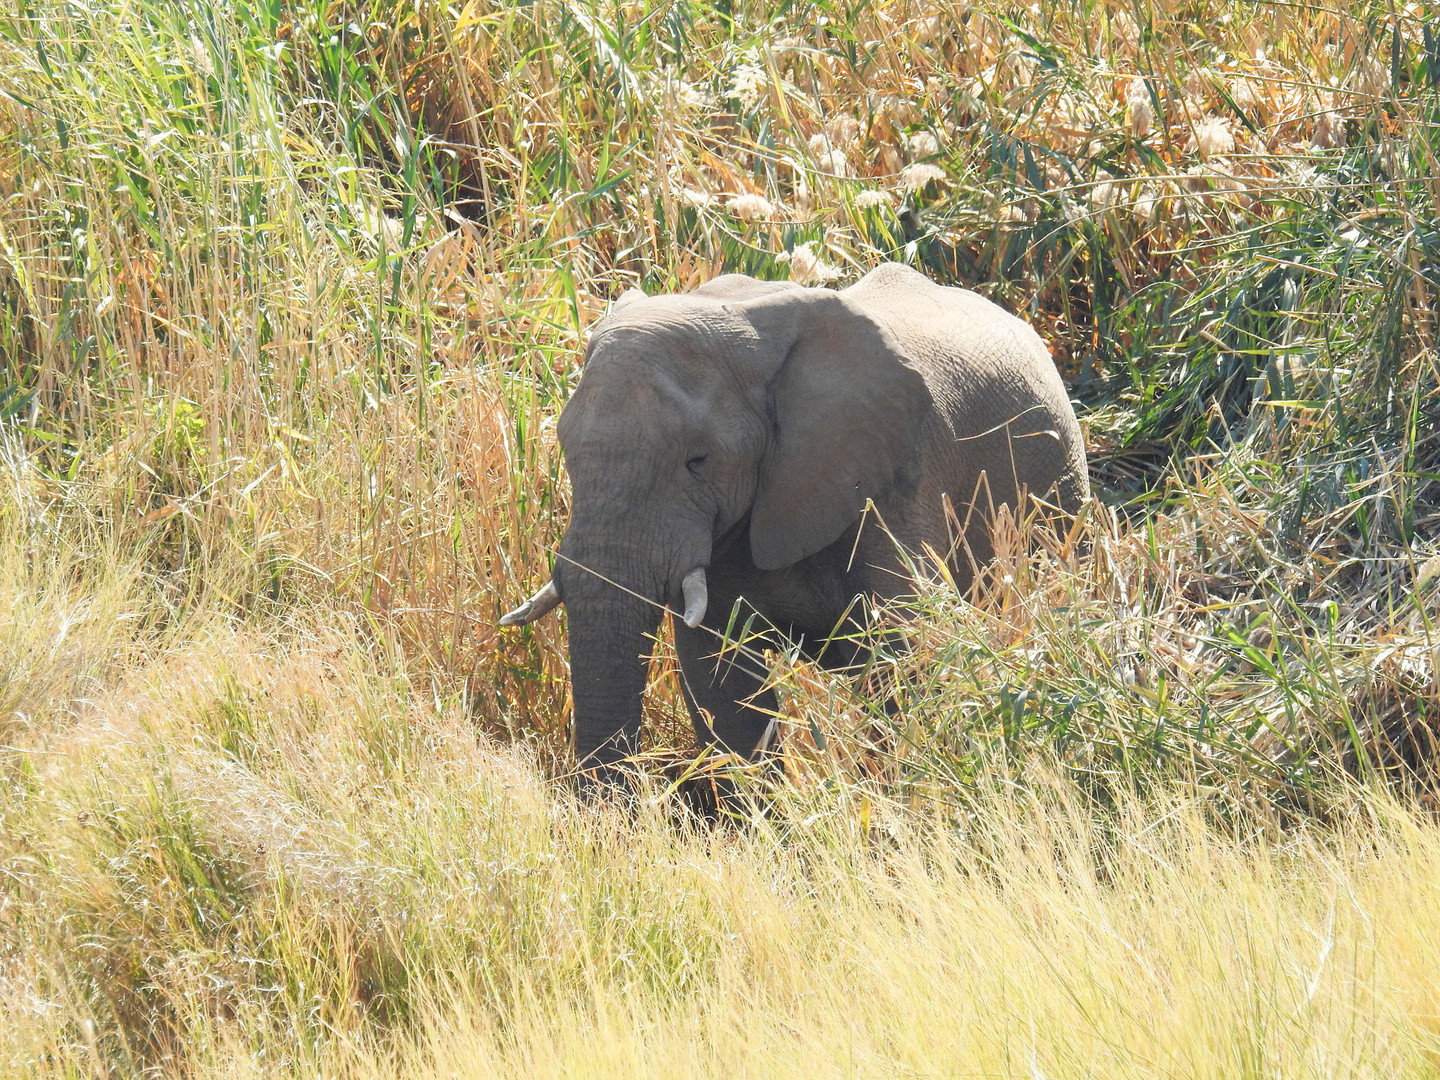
(290, 296)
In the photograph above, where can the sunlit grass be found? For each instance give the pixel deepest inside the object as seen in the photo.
(289, 300)
(259, 850)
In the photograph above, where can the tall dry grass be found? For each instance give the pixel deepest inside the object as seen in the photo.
(258, 850)
(289, 299)
(300, 291)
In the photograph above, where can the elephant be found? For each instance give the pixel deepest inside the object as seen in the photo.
(755, 451)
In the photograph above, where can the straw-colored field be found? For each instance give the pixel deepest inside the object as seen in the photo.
(290, 297)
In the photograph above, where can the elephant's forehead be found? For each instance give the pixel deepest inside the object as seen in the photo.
(626, 401)
(668, 336)
(627, 386)
(679, 360)
(690, 320)
(655, 371)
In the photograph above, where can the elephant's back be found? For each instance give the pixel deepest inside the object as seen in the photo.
(974, 352)
(1003, 415)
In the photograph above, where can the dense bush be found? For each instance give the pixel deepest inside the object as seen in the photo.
(290, 297)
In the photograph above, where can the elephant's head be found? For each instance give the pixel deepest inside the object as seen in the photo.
(702, 419)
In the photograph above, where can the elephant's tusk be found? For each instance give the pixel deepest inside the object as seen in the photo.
(696, 596)
(542, 603)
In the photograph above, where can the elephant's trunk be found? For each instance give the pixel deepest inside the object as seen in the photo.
(609, 658)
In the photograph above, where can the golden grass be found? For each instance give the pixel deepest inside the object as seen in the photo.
(289, 300)
(259, 852)
(241, 320)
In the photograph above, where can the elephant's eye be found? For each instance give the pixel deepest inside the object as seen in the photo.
(695, 462)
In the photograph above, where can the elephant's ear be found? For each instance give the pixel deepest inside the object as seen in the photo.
(847, 411)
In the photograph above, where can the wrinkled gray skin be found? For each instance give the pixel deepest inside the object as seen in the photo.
(741, 428)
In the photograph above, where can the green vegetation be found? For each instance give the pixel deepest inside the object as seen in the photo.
(289, 299)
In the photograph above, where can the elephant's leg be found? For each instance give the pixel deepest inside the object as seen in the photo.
(724, 689)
